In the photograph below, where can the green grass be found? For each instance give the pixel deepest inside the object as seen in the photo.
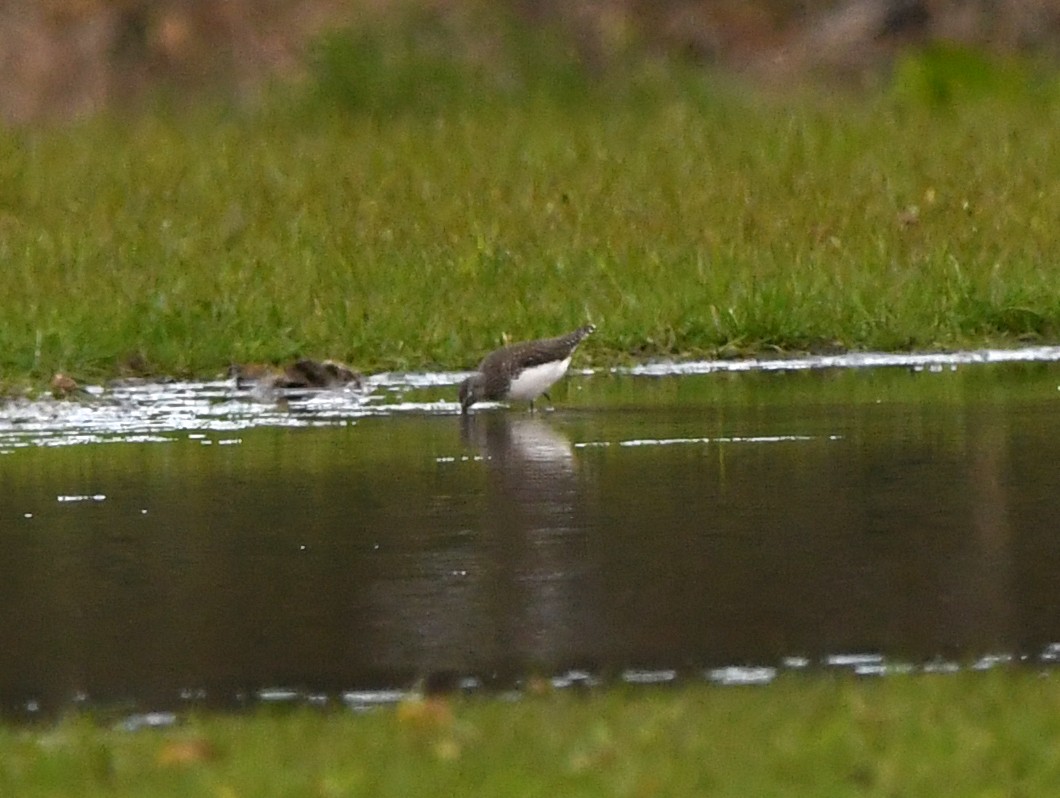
(683, 216)
(970, 734)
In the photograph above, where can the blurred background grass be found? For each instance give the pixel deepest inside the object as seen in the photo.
(427, 180)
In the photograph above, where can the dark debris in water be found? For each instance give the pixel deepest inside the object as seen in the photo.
(302, 373)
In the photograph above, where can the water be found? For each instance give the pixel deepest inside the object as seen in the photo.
(168, 545)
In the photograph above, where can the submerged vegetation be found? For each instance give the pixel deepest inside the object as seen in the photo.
(969, 734)
(406, 207)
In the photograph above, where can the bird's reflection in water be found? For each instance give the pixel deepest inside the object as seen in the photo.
(542, 585)
(522, 447)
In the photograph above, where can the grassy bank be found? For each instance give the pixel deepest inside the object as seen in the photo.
(970, 734)
(682, 216)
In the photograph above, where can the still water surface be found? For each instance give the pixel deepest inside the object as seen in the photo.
(202, 546)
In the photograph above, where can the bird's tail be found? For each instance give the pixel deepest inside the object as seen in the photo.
(576, 337)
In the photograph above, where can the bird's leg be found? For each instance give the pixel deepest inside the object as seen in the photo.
(550, 407)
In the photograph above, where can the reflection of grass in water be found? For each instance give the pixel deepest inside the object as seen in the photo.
(941, 735)
(683, 218)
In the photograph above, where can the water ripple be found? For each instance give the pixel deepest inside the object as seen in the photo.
(137, 411)
(851, 360)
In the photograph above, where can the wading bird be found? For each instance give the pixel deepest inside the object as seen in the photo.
(521, 372)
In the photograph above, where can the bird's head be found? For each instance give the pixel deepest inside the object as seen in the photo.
(471, 391)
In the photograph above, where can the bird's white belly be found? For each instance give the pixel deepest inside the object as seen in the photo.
(534, 381)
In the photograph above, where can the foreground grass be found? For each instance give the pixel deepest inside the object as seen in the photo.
(971, 734)
(685, 220)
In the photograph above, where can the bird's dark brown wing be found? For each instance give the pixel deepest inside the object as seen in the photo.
(512, 359)
(501, 366)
